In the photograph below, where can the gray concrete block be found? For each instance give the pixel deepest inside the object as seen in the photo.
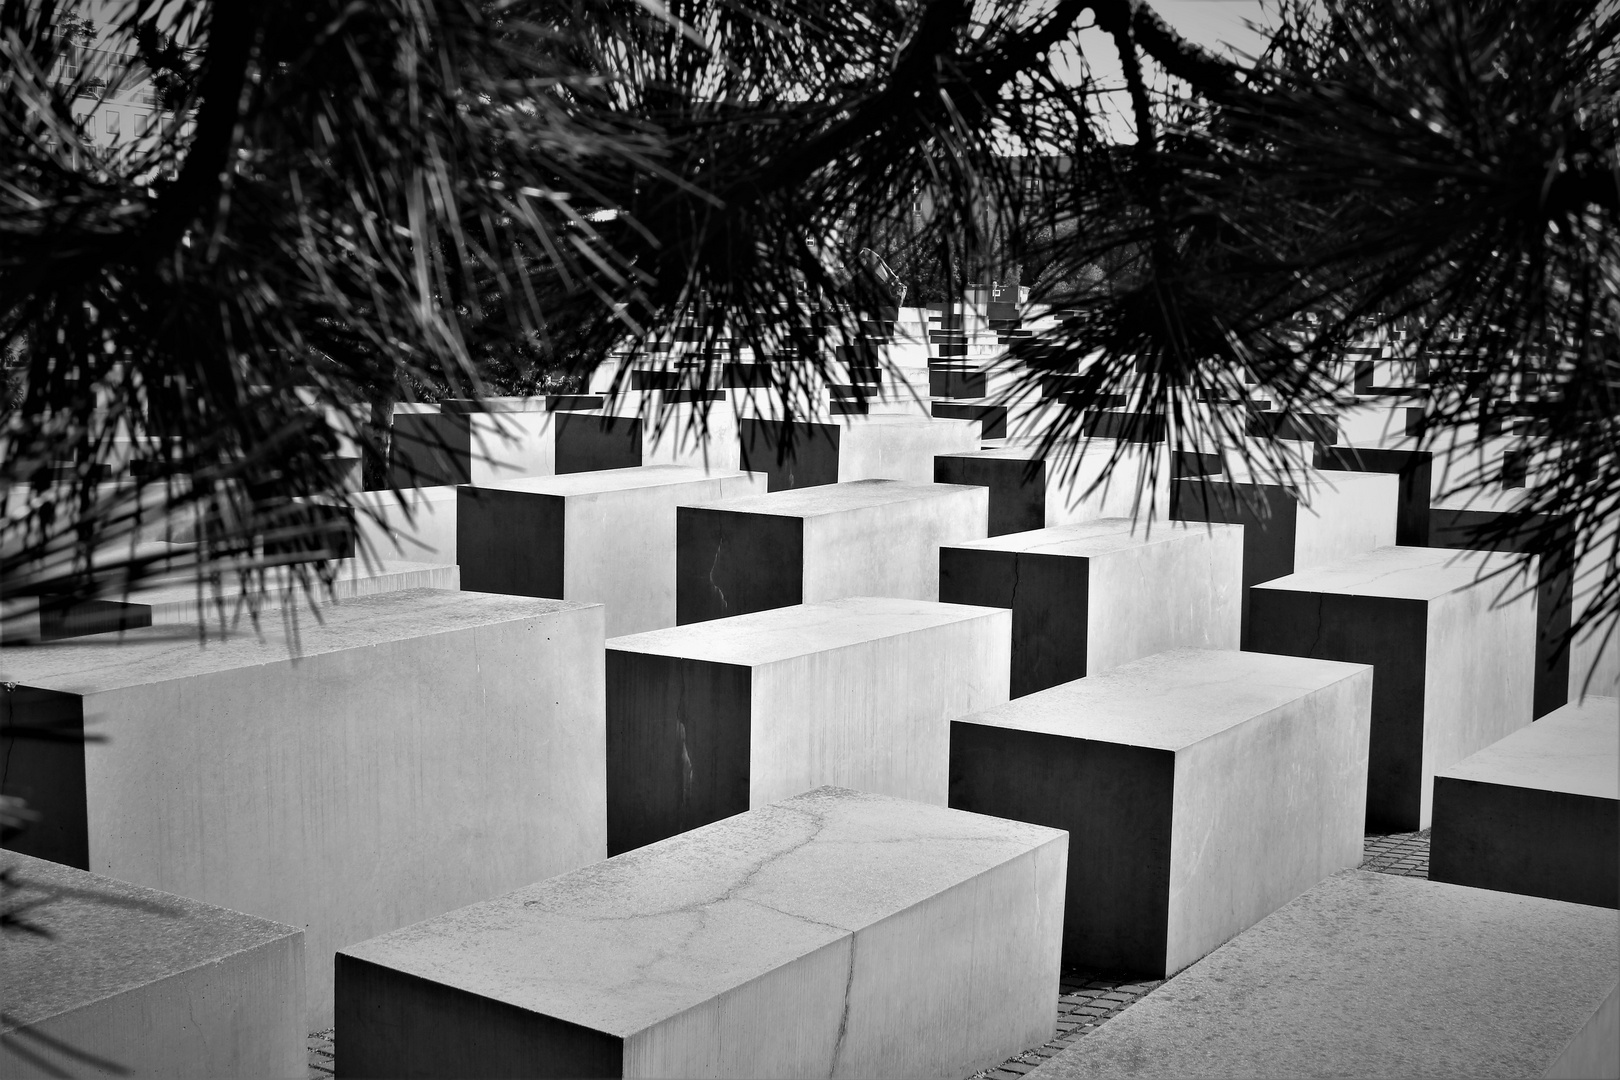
(1031, 489)
(598, 537)
(1454, 654)
(125, 980)
(877, 446)
(500, 439)
(713, 718)
(1202, 789)
(864, 538)
(1378, 975)
(1537, 812)
(1089, 597)
(409, 753)
(834, 934)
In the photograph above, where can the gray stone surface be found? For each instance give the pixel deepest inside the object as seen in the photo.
(409, 753)
(1202, 789)
(604, 537)
(834, 934)
(1089, 597)
(1030, 490)
(453, 447)
(841, 449)
(1371, 975)
(1537, 812)
(1325, 517)
(712, 718)
(144, 982)
(1455, 656)
(863, 538)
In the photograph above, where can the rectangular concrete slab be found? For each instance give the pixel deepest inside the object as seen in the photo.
(712, 718)
(1455, 656)
(416, 524)
(833, 934)
(875, 446)
(864, 538)
(604, 537)
(408, 753)
(1379, 975)
(504, 438)
(1202, 789)
(1537, 812)
(1088, 597)
(1033, 489)
(124, 980)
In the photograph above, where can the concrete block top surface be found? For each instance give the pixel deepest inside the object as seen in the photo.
(1372, 975)
(1574, 749)
(1483, 500)
(161, 653)
(345, 572)
(1412, 573)
(623, 944)
(766, 637)
(603, 480)
(837, 498)
(1169, 700)
(1101, 537)
(107, 936)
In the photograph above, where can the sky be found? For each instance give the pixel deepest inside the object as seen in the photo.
(1218, 25)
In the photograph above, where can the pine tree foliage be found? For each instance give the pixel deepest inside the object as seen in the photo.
(355, 204)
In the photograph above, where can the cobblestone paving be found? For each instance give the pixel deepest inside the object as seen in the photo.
(1085, 999)
(1403, 854)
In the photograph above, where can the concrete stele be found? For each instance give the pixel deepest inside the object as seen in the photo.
(862, 447)
(864, 538)
(125, 980)
(472, 442)
(1379, 975)
(716, 717)
(603, 537)
(1202, 789)
(1537, 812)
(1455, 656)
(1326, 516)
(410, 752)
(1089, 597)
(834, 934)
(1031, 489)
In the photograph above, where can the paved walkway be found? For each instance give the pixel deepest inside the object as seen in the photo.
(1086, 1000)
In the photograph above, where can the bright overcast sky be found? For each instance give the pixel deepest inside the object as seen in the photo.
(1218, 25)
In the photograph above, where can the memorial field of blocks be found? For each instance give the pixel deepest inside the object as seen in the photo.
(724, 747)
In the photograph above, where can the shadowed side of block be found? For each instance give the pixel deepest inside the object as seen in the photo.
(677, 745)
(395, 1024)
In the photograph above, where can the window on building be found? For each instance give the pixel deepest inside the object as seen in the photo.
(111, 121)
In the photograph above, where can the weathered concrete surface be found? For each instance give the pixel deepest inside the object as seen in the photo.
(423, 750)
(871, 447)
(1029, 491)
(1455, 657)
(1202, 789)
(834, 934)
(863, 538)
(1332, 515)
(1476, 521)
(603, 537)
(416, 524)
(135, 982)
(1537, 812)
(712, 718)
(472, 443)
(1378, 975)
(1088, 597)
